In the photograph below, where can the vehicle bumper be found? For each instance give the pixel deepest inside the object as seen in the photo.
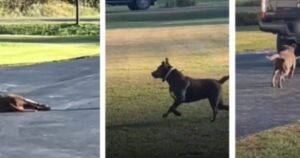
(280, 28)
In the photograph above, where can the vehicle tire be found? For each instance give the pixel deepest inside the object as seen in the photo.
(297, 52)
(139, 5)
(131, 6)
(280, 43)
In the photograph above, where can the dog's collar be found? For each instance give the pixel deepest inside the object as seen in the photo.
(184, 90)
(168, 74)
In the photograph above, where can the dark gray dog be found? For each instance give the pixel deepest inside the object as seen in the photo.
(184, 89)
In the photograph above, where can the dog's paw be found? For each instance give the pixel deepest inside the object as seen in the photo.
(212, 120)
(177, 113)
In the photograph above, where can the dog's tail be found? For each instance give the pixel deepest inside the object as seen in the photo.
(223, 79)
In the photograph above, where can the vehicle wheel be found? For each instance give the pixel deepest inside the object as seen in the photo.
(280, 43)
(139, 5)
(297, 52)
(131, 6)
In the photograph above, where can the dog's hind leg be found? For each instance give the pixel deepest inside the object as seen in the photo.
(292, 70)
(173, 109)
(214, 102)
(222, 106)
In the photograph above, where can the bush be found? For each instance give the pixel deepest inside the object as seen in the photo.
(179, 3)
(248, 2)
(51, 29)
(185, 3)
(243, 19)
(38, 8)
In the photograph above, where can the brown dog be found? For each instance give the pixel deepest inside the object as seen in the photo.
(284, 65)
(15, 103)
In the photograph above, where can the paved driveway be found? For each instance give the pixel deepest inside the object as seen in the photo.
(258, 106)
(71, 130)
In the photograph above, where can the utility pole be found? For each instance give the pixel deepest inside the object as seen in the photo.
(77, 12)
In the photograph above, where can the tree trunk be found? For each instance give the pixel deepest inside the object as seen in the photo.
(77, 13)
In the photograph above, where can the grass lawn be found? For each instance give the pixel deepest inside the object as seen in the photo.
(252, 39)
(136, 102)
(24, 50)
(281, 142)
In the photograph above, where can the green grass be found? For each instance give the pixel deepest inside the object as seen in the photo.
(136, 101)
(252, 39)
(281, 142)
(32, 51)
(51, 29)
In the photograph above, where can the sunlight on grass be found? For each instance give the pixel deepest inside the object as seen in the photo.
(280, 142)
(30, 53)
(251, 39)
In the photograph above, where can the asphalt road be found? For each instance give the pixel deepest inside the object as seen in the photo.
(258, 106)
(71, 130)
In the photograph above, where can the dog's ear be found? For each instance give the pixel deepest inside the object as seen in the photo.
(167, 61)
(294, 45)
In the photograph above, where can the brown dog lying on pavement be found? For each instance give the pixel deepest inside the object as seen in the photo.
(184, 89)
(15, 103)
(284, 65)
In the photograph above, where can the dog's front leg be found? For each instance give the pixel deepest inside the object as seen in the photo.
(281, 79)
(274, 78)
(173, 109)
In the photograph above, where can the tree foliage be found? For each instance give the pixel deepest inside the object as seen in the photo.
(23, 5)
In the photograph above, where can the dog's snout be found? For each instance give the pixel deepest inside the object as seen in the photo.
(153, 74)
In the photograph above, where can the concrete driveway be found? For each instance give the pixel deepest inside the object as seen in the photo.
(258, 106)
(71, 130)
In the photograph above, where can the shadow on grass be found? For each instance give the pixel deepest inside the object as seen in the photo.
(49, 39)
(163, 122)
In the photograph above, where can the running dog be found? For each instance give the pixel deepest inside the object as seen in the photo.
(184, 89)
(284, 65)
(15, 103)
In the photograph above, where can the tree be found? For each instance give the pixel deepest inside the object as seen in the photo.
(77, 12)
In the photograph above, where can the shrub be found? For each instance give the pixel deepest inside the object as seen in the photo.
(248, 2)
(179, 3)
(185, 3)
(51, 29)
(243, 19)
